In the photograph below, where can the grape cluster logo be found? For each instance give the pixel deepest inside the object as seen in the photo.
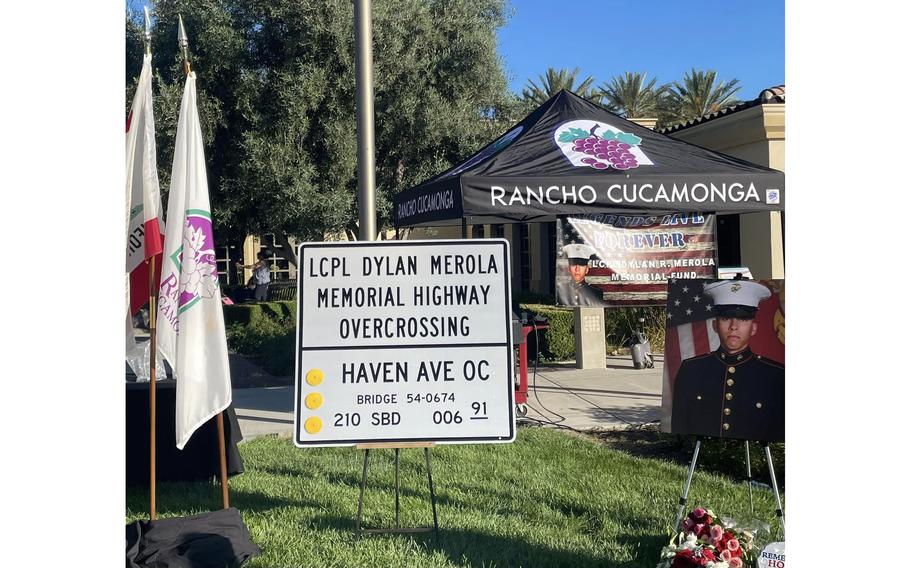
(588, 143)
(199, 272)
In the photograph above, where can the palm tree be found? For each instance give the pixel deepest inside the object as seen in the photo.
(553, 81)
(628, 95)
(698, 96)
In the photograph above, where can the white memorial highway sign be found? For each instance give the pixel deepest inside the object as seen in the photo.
(404, 341)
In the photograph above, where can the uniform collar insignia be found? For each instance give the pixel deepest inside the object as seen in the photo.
(737, 359)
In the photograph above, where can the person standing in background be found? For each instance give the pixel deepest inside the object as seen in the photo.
(261, 276)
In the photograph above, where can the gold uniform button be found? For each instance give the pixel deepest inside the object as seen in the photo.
(312, 425)
(730, 382)
(731, 369)
(726, 426)
(757, 405)
(727, 412)
(314, 377)
(729, 396)
(313, 400)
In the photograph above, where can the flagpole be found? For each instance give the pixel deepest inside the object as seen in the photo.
(183, 42)
(153, 356)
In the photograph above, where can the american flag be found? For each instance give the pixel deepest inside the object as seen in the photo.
(689, 329)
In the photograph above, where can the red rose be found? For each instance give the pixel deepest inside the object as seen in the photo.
(707, 553)
(700, 516)
(684, 559)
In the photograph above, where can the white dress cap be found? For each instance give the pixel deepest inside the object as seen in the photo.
(580, 251)
(737, 292)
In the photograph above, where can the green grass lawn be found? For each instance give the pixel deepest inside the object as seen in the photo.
(552, 498)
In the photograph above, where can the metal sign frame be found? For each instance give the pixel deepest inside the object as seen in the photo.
(506, 345)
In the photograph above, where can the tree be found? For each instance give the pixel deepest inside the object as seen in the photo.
(277, 94)
(697, 96)
(628, 96)
(554, 81)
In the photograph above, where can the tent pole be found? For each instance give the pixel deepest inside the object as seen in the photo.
(222, 452)
(153, 359)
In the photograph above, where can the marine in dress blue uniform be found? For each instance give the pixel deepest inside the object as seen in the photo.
(572, 289)
(731, 392)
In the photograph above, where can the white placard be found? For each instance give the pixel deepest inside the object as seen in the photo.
(772, 556)
(404, 341)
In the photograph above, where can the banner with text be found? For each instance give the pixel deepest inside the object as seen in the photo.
(404, 341)
(626, 260)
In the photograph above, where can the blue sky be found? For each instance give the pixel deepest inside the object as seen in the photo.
(665, 38)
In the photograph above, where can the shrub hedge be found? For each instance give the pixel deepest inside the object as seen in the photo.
(249, 313)
(264, 330)
(556, 343)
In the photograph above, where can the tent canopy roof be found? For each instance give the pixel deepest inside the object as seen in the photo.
(573, 157)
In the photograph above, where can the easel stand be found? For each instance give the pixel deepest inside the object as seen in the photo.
(685, 493)
(363, 485)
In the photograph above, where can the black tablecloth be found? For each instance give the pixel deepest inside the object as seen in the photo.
(198, 460)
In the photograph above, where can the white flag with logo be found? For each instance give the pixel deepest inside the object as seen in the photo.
(144, 228)
(190, 321)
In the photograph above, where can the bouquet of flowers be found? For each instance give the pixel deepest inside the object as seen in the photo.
(705, 541)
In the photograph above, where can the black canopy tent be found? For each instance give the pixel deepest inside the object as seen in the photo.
(573, 157)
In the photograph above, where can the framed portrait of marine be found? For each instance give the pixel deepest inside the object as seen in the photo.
(724, 359)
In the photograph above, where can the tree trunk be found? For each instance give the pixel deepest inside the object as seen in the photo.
(286, 251)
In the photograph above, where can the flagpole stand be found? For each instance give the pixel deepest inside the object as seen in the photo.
(685, 493)
(749, 479)
(780, 507)
(360, 531)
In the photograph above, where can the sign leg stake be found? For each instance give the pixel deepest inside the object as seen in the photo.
(363, 486)
(780, 507)
(426, 452)
(685, 494)
(749, 479)
(360, 531)
(397, 490)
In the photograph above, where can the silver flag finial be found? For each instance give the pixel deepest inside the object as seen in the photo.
(184, 43)
(182, 40)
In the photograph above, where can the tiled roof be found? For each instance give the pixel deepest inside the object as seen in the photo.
(771, 95)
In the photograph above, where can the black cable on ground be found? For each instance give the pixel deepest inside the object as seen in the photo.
(570, 391)
(536, 396)
(617, 417)
(546, 421)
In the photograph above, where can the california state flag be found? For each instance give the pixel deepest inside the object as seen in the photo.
(190, 322)
(145, 229)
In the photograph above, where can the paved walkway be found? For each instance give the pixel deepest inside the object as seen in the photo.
(617, 396)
